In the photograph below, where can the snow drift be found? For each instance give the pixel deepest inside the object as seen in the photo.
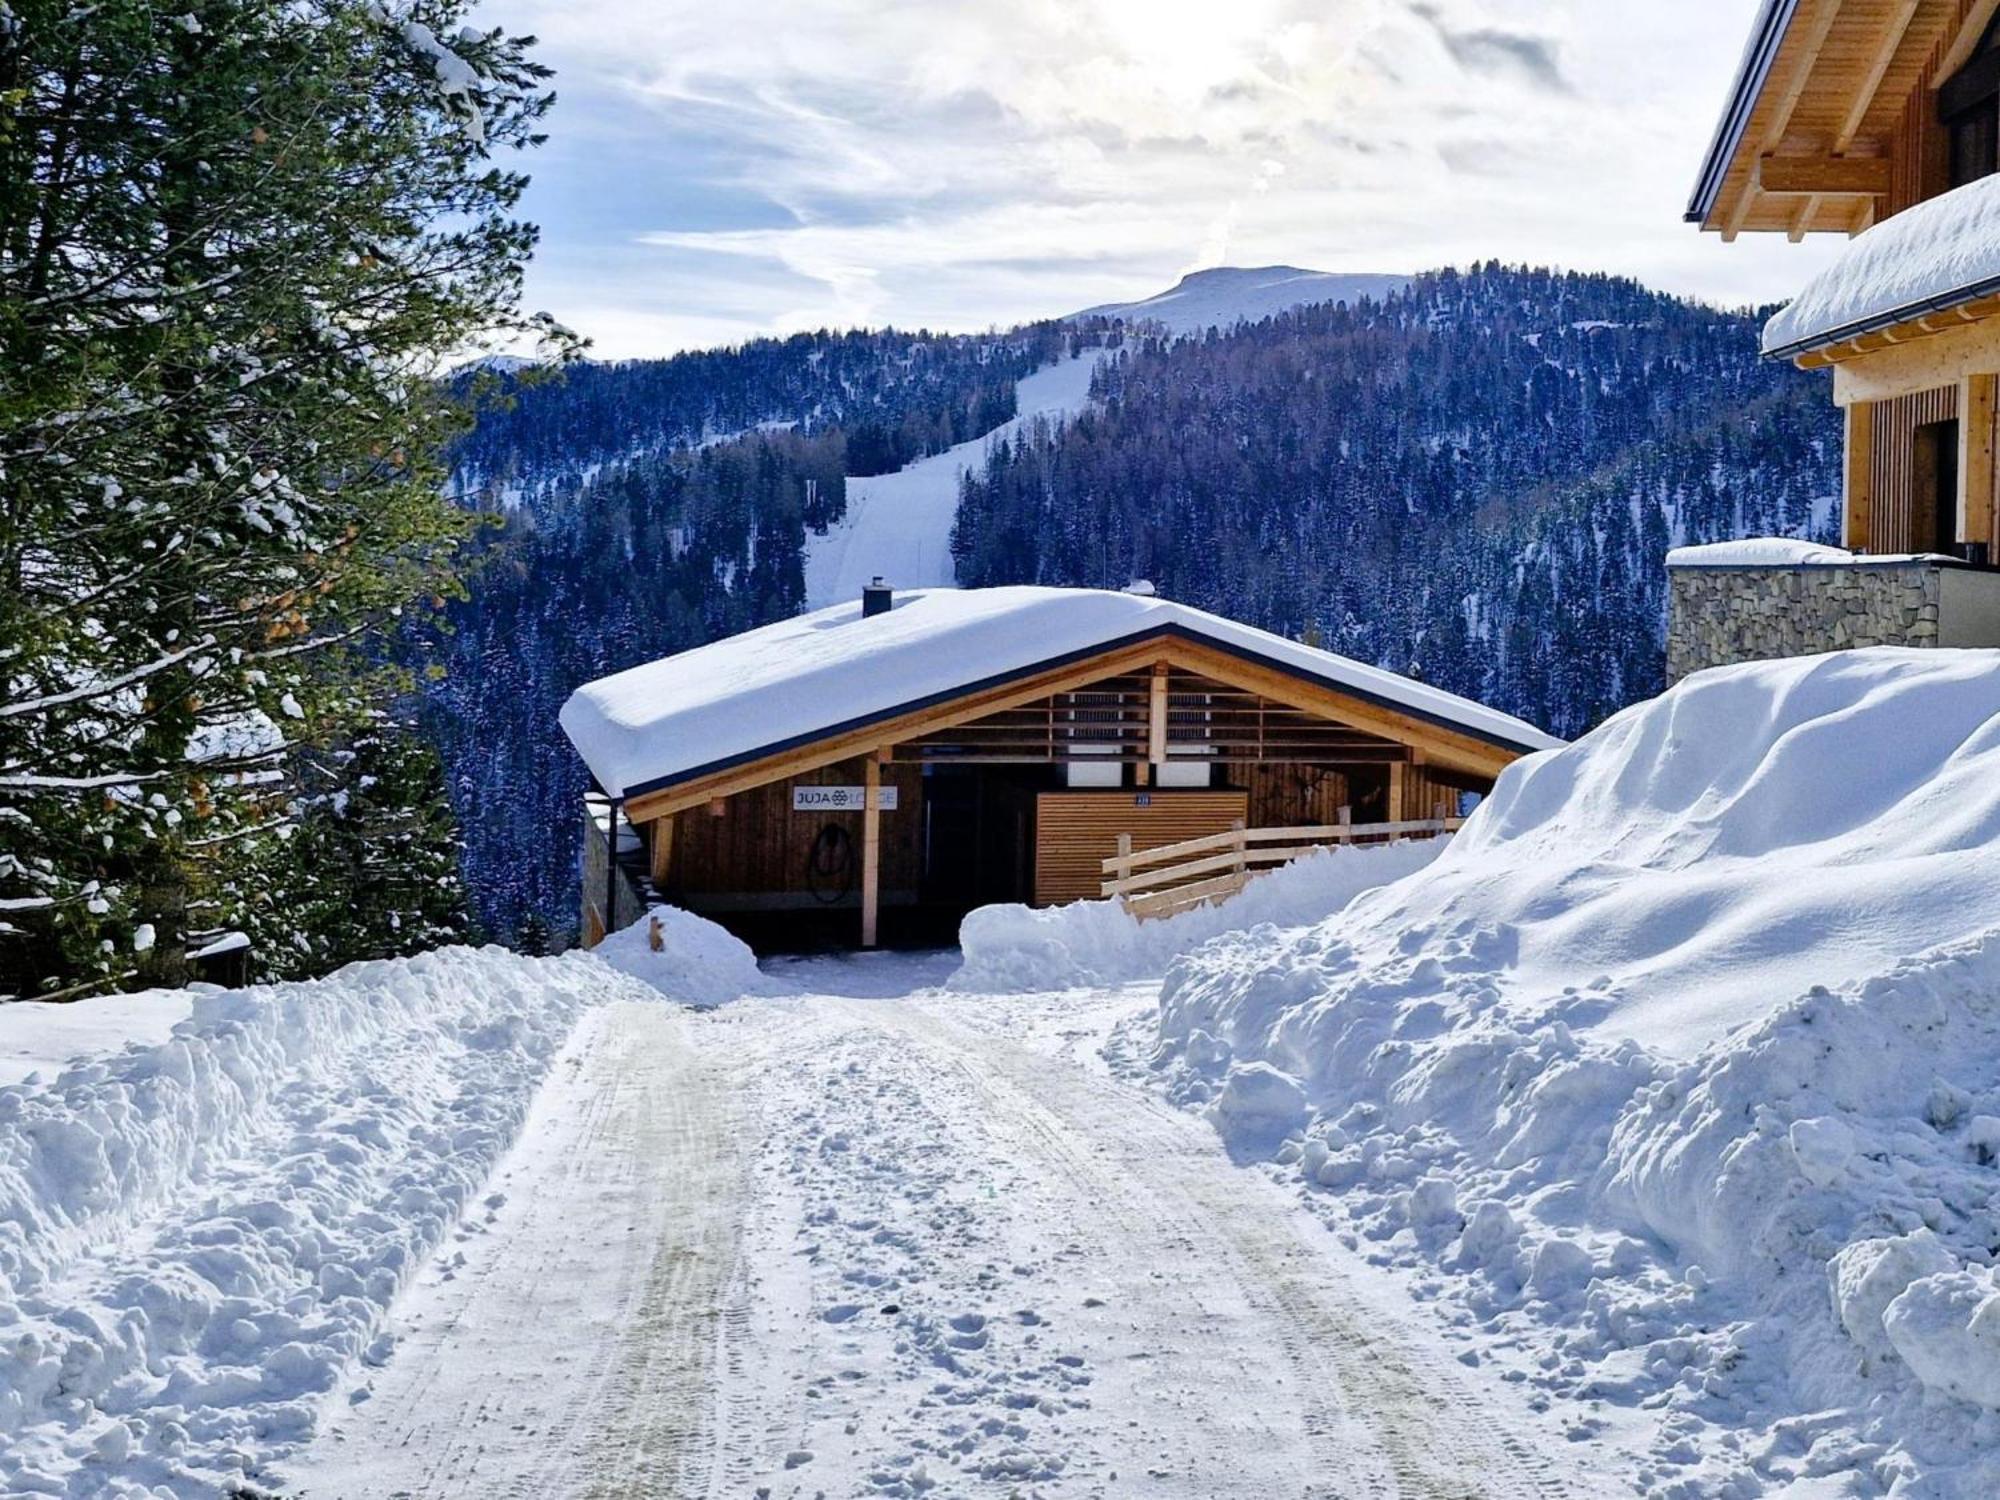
(199, 1235)
(1011, 949)
(1687, 1047)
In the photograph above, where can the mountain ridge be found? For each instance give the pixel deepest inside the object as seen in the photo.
(1225, 297)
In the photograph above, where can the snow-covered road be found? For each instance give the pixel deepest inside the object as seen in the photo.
(879, 1239)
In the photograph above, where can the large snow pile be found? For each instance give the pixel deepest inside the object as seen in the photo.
(1685, 1059)
(199, 1234)
(1012, 949)
(696, 962)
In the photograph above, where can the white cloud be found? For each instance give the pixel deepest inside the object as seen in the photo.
(791, 163)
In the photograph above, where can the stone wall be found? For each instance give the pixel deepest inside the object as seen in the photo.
(630, 897)
(1719, 615)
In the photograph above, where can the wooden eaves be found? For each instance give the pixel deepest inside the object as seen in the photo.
(1441, 743)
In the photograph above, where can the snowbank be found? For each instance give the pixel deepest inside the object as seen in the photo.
(1020, 949)
(1936, 255)
(1757, 552)
(697, 962)
(39, 1036)
(200, 1234)
(1685, 1057)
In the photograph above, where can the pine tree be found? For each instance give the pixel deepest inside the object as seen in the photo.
(234, 241)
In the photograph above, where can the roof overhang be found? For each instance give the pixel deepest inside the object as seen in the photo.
(1929, 270)
(1455, 743)
(1804, 143)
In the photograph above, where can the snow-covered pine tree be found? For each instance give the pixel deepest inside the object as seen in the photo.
(379, 851)
(236, 239)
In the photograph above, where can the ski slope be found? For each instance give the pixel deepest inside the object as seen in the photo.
(898, 526)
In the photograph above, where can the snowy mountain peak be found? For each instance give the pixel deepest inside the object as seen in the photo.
(1223, 296)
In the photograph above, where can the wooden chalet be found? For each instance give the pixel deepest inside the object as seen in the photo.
(873, 771)
(1880, 119)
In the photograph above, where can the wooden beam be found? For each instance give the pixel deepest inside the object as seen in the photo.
(1976, 403)
(1858, 479)
(1814, 176)
(662, 852)
(1156, 717)
(1886, 48)
(871, 849)
(1397, 782)
(1805, 52)
(1968, 38)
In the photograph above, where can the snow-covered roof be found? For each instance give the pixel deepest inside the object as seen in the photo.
(1940, 254)
(800, 679)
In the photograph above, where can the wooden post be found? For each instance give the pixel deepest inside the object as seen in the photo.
(1156, 717)
(1346, 821)
(1397, 781)
(1975, 459)
(1242, 849)
(1858, 482)
(871, 849)
(1124, 856)
(662, 851)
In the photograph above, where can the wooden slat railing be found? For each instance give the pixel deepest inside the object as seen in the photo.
(1178, 877)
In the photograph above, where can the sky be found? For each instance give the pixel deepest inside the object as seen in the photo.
(722, 169)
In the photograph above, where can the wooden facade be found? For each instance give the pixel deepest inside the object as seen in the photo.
(1019, 791)
(1849, 113)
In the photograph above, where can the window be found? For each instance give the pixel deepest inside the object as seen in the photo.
(1969, 106)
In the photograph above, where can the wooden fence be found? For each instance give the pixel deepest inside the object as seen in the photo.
(1178, 877)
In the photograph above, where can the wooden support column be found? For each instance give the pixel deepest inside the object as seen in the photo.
(871, 849)
(1398, 781)
(1156, 717)
(662, 851)
(1976, 401)
(1858, 483)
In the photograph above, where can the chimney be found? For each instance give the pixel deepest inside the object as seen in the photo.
(876, 599)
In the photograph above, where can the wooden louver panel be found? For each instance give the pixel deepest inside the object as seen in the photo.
(1207, 721)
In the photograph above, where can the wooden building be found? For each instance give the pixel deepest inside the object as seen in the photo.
(874, 771)
(1880, 119)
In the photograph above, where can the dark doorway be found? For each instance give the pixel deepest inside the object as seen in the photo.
(978, 838)
(1935, 465)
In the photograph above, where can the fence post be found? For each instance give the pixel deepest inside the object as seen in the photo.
(1242, 847)
(1346, 821)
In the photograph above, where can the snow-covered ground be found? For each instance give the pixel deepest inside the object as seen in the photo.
(898, 526)
(1644, 1141)
(881, 1240)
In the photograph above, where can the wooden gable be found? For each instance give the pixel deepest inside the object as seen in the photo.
(1340, 722)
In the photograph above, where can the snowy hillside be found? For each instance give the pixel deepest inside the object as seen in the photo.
(1683, 1062)
(1228, 295)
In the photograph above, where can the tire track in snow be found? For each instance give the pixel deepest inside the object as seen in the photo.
(570, 1353)
(1379, 1415)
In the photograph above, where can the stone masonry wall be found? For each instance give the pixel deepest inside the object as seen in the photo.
(1716, 616)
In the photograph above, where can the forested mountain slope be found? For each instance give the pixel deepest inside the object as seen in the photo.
(1474, 481)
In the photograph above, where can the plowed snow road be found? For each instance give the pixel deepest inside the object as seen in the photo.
(899, 1243)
